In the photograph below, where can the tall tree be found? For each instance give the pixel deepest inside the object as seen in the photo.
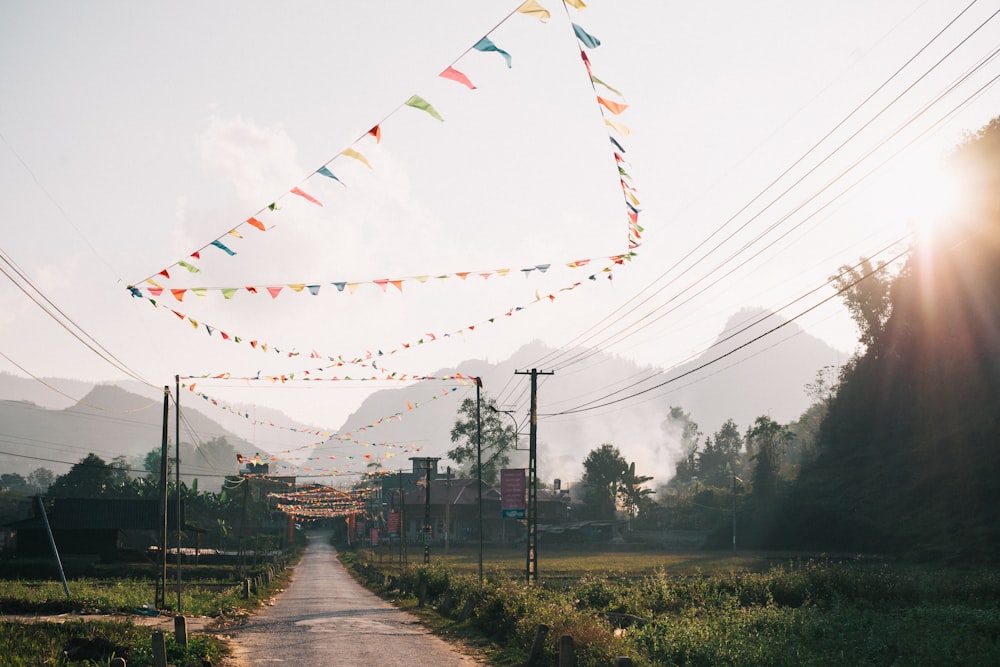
(866, 289)
(91, 477)
(767, 439)
(41, 479)
(680, 428)
(603, 472)
(633, 493)
(499, 438)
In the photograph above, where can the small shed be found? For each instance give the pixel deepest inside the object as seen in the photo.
(93, 526)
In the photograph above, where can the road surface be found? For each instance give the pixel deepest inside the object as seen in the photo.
(327, 618)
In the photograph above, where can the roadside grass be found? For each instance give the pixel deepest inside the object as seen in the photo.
(41, 642)
(92, 643)
(705, 609)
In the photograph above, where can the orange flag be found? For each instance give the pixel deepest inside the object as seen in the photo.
(614, 107)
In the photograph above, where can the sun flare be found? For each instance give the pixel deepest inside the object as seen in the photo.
(919, 193)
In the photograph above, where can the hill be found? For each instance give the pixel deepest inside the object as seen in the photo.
(908, 456)
(125, 419)
(762, 379)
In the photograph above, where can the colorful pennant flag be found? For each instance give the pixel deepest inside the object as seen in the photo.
(454, 75)
(586, 39)
(532, 8)
(486, 45)
(418, 102)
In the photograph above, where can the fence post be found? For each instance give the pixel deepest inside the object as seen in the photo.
(536, 646)
(181, 631)
(159, 650)
(422, 594)
(246, 589)
(567, 651)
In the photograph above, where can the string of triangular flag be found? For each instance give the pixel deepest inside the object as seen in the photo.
(368, 359)
(327, 435)
(154, 290)
(484, 44)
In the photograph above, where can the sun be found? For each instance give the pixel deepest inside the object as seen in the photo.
(918, 192)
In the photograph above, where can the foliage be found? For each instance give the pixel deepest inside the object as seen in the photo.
(96, 643)
(766, 440)
(680, 427)
(91, 477)
(799, 612)
(498, 439)
(634, 496)
(866, 291)
(906, 459)
(603, 471)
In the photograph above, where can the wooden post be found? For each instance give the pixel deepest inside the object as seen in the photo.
(467, 608)
(246, 589)
(536, 646)
(159, 650)
(180, 630)
(567, 651)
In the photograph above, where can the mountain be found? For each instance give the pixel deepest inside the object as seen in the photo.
(761, 379)
(108, 421)
(578, 406)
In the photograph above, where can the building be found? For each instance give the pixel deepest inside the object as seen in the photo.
(95, 527)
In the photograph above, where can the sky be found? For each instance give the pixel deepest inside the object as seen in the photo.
(767, 144)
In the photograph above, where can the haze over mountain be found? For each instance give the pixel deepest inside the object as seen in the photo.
(766, 378)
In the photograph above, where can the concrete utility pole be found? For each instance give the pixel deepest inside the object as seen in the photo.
(161, 582)
(479, 470)
(428, 463)
(531, 566)
(177, 472)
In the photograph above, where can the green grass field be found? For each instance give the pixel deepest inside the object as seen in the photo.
(703, 608)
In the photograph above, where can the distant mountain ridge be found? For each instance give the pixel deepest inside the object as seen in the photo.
(41, 430)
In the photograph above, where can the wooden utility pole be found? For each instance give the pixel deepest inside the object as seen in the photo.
(531, 566)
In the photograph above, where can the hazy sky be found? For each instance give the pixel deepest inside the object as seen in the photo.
(137, 133)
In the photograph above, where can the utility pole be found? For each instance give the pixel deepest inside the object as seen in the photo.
(428, 462)
(177, 472)
(161, 580)
(479, 470)
(531, 566)
(447, 508)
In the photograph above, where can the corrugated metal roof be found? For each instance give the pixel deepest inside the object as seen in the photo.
(108, 514)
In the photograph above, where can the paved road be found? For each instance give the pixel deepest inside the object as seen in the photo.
(327, 618)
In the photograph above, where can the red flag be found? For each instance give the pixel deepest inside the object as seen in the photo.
(454, 75)
(308, 197)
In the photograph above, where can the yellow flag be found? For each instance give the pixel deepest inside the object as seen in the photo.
(618, 127)
(532, 8)
(350, 152)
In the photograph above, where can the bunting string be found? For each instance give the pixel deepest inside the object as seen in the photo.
(302, 189)
(368, 359)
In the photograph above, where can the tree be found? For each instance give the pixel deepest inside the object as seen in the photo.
(766, 439)
(498, 440)
(866, 290)
(14, 483)
(41, 479)
(90, 478)
(681, 428)
(632, 493)
(603, 472)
